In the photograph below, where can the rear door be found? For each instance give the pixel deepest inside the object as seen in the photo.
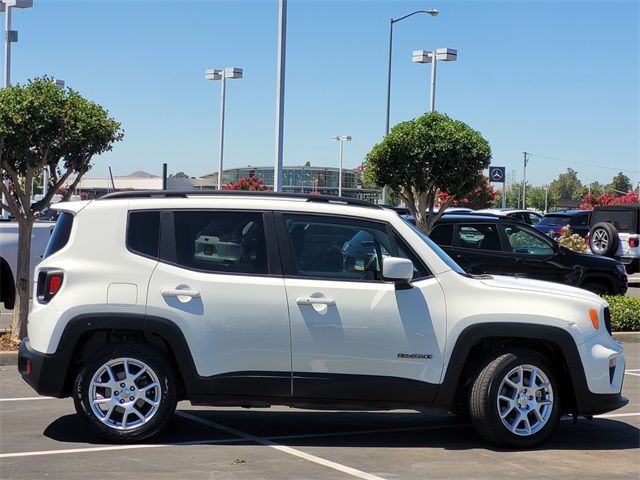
(219, 279)
(477, 247)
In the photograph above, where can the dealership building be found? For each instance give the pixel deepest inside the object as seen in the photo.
(295, 179)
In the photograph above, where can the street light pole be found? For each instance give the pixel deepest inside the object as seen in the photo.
(341, 139)
(10, 36)
(282, 47)
(425, 56)
(433, 12)
(524, 179)
(222, 75)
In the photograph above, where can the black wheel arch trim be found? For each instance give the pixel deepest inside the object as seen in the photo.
(586, 402)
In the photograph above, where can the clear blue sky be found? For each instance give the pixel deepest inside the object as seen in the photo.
(558, 79)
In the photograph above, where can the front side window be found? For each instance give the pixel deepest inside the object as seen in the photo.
(442, 235)
(222, 242)
(524, 241)
(326, 247)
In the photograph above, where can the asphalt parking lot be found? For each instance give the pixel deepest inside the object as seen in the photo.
(43, 438)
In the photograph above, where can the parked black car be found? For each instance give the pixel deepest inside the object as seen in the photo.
(493, 245)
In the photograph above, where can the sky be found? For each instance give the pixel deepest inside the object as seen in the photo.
(558, 79)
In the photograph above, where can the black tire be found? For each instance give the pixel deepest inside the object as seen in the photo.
(604, 239)
(140, 379)
(597, 287)
(486, 409)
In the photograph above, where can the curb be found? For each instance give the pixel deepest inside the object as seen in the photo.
(8, 358)
(629, 337)
(11, 358)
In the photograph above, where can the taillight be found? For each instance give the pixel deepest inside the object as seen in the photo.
(634, 241)
(49, 283)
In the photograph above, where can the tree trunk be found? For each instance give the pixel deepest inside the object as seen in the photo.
(23, 279)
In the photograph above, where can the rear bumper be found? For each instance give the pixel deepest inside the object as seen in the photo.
(45, 373)
(632, 264)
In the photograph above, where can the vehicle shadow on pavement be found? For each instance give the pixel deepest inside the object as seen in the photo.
(353, 429)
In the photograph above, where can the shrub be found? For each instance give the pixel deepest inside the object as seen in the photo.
(571, 240)
(625, 313)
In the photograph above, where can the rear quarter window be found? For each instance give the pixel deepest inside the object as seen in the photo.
(60, 235)
(143, 233)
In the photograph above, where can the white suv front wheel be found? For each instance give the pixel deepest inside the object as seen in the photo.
(514, 400)
(127, 393)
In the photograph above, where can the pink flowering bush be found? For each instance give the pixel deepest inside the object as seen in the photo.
(571, 240)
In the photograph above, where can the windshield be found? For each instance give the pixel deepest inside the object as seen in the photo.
(436, 249)
(554, 220)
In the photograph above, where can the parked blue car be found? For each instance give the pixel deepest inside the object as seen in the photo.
(552, 222)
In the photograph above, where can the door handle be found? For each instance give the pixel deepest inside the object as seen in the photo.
(315, 301)
(174, 292)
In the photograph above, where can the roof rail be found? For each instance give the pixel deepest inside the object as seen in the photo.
(243, 193)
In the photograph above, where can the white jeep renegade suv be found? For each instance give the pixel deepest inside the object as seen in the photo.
(147, 298)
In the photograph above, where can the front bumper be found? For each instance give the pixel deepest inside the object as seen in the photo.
(45, 373)
(604, 364)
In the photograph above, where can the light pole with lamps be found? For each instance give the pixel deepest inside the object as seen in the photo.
(425, 56)
(222, 75)
(10, 36)
(433, 12)
(341, 139)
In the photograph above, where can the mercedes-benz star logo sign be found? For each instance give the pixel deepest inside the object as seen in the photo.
(496, 175)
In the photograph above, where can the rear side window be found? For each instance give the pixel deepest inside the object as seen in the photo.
(442, 235)
(143, 233)
(60, 235)
(623, 221)
(580, 220)
(554, 220)
(221, 242)
(481, 237)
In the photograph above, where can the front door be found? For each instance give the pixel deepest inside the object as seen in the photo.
(353, 336)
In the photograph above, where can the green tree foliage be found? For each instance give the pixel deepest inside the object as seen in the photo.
(620, 185)
(179, 175)
(536, 198)
(594, 188)
(567, 186)
(430, 154)
(43, 127)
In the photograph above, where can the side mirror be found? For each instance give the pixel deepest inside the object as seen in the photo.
(398, 271)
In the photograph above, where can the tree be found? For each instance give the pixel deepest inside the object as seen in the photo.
(620, 185)
(594, 188)
(536, 198)
(247, 183)
(179, 175)
(430, 154)
(482, 197)
(567, 186)
(43, 127)
(591, 201)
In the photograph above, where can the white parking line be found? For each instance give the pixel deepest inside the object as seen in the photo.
(282, 448)
(26, 399)
(627, 372)
(616, 415)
